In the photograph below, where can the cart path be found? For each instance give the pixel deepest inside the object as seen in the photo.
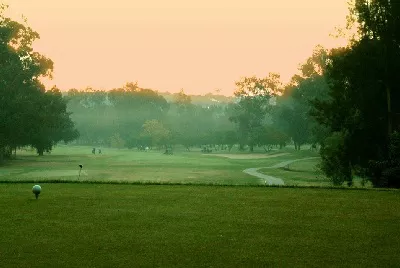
(270, 180)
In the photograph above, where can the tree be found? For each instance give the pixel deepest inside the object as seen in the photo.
(183, 101)
(22, 93)
(291, 117)
(379, 20)
(250, 111)
(267, 137)
(52, 122)
(156, 132)
(335, 158)
(292, 114)
(364, 92)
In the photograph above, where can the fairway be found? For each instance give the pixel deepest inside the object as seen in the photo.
(80, 225)
(124, 165)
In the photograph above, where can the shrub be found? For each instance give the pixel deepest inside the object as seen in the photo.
(335, 160)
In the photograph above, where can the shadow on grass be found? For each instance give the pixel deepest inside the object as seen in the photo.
(294, 170)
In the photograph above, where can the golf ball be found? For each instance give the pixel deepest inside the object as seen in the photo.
(36, 189)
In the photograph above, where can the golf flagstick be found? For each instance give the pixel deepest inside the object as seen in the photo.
(80, 169)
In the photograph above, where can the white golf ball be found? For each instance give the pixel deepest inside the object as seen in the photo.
(36, 189)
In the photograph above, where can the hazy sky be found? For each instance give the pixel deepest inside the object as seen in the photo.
(199, 46)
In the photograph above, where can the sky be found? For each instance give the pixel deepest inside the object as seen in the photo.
(198, 46)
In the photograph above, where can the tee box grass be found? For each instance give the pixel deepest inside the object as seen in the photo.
(101, 225)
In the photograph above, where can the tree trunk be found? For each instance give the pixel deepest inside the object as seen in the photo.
(241, 147)
(7, 152)
(389, 110)
(40, 151)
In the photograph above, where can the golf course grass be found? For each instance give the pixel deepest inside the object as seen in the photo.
(213, 216)
(99, 225)
(301, 173)
(113, 165)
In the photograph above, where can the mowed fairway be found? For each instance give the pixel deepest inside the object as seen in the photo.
(133, 166)
(100, 225)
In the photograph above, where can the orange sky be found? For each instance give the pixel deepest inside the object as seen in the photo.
(199, 46)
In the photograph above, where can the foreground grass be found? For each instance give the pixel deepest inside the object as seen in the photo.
(78, 225)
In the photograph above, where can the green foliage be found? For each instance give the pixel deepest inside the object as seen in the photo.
(52, 123)
(29, 115)
(99, 114)
(183, 101)
(249, 113)
(267, 137)
(386, 173)
(116, 141)
(156, 133)
(293, 120)
(334, 159)
(293, 114)
(364, 96)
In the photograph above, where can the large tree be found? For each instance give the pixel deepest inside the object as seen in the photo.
(292, 114)
(51, 123)
(249, 113)
(156, 133)
(21, 92)
(364, 91)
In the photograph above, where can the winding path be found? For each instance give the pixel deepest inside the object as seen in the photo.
(270, 180)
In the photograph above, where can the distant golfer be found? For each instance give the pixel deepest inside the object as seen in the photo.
(99, 151)
(94, 151)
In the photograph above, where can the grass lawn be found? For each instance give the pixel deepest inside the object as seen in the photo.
(301, 173)
(98, 225)
(131, 165)
(307, 173)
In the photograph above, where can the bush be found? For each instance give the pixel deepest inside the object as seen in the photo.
(335, 159)
(386, 173)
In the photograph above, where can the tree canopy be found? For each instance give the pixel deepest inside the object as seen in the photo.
(363, 93)
(29, 114)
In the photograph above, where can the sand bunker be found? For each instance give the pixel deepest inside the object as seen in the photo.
(247, 156)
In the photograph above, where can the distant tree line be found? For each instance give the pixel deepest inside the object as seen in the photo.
(133, 117)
